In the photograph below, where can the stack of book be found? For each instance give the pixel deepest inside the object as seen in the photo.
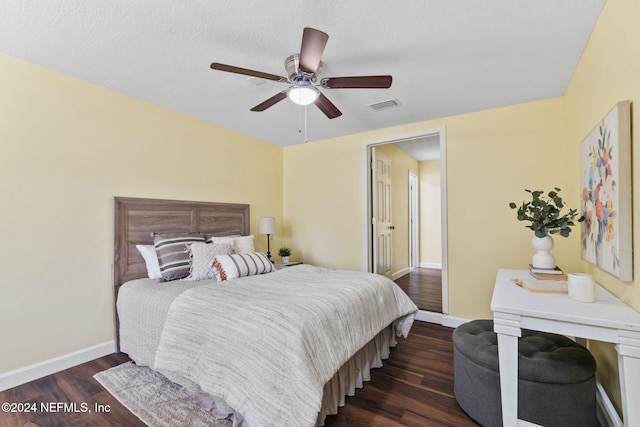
(547, 273)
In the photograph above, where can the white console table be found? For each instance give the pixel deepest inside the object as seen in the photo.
(607, 319)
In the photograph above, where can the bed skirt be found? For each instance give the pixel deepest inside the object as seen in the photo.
(355, 372)
(350, 376)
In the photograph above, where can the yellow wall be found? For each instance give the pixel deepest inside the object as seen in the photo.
(401, 164)
(486, 169)
(323, 205)
(67, 148)
(430, 212)
(608, 72)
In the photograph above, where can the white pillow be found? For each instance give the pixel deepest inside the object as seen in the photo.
(202, 256)
(241, 244)
(240, 265)
(148, 252)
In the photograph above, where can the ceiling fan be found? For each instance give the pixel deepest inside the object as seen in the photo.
(302, 70)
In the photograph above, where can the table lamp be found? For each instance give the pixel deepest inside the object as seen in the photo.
(268, 227)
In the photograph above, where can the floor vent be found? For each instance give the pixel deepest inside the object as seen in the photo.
(385, 105)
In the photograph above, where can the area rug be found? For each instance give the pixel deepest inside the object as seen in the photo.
(154, 399)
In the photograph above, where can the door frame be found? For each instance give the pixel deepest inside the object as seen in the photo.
(367, 186)
(414, 215)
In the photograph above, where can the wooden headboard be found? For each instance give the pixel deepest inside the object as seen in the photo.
(136, 220)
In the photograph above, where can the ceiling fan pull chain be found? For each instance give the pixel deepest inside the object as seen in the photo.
(305, 124)
(299, 118)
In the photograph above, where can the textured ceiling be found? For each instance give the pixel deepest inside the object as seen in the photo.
(446, 57)
(422, 148)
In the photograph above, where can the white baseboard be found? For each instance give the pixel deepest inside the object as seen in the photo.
(440, 319)
(437, 266)
(42, 369)
(398, 274)
(453, 322)
(430, 317)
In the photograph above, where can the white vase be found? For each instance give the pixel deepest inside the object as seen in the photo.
(543, 259)
(285, 259)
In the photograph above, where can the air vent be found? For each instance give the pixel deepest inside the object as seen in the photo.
(385, 105)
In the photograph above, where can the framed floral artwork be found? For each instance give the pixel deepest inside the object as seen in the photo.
(605, 168)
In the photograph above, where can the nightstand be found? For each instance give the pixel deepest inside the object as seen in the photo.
(279, 265)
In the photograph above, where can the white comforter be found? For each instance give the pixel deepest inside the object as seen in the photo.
(267, 344)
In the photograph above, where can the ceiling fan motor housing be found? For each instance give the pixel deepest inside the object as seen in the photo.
(291, 65)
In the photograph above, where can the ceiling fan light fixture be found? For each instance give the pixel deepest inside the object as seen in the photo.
(303, 94)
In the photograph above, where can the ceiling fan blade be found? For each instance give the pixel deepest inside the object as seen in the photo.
(327, 107)
(269, 102)
(247, 72)
(313, 43)
(359, 82)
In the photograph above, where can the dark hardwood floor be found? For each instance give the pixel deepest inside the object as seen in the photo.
(74, 386)
(424, 287)
(413, 388)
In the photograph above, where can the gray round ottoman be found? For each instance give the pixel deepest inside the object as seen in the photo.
(556, 377)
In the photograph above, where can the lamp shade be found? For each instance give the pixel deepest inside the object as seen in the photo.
(267, 225)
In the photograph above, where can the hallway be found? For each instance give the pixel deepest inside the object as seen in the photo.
(424, 287)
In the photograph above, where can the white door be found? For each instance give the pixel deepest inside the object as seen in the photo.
(381, 222)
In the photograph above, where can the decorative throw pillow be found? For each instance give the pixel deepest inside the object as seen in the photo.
(240, 265)
(241, 244)
(173, 255)
(202, 255)
(148, 252)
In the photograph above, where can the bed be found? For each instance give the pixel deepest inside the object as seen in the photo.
(282, 348)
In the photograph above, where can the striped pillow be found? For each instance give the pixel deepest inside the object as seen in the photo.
(173, 255)
(240, 265)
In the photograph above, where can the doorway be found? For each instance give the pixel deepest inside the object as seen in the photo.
(407, 226)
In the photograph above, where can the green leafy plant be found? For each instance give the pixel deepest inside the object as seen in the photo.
(543, 212)
(284, 251)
